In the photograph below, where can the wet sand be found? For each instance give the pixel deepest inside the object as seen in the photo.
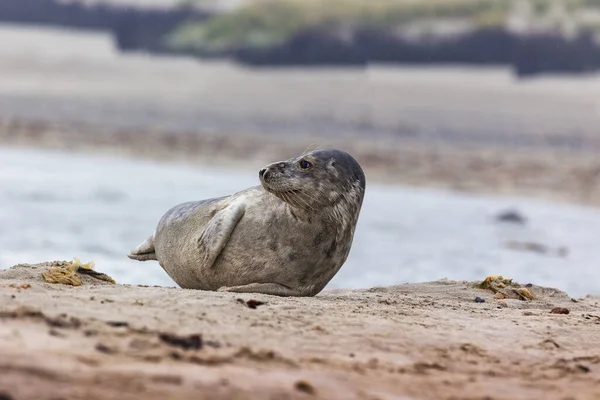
(562, 176)
(414, 341)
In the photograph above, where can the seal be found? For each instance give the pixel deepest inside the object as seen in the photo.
(288, 236)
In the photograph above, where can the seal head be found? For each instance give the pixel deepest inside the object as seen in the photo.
(316, 180)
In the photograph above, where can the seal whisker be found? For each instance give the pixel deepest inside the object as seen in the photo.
(309, 146)
(298, 200)
(291, 197)
(285, 198)
(294, 201)
(312, 199)
(316, 200)
(303, 201)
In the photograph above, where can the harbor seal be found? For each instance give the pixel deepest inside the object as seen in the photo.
(288, 236)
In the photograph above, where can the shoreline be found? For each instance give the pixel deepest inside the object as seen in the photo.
(417, 341)
(565, 177)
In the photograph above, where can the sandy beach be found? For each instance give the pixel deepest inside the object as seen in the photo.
(476, 131)
(416, 341)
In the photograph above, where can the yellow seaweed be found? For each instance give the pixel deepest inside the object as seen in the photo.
(526, 293)
(69, 274)
(505, 288)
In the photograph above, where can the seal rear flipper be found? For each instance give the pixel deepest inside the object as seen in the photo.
(217, 231)
(144, 251)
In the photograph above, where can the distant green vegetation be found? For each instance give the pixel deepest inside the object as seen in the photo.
(264, 23)
(267, 22)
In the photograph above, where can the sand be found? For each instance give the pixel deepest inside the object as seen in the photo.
(413, 341)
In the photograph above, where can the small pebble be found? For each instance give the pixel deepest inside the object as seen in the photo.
(306, 387)
(105, 349)
(559, 310)
(479, 300)
(250, 303)
(254, 303)
(583, 368)
(186, 342)
(117, 324)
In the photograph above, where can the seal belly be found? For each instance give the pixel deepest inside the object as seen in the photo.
(274, 248)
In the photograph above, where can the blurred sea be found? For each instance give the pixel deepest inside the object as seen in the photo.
(57, 205)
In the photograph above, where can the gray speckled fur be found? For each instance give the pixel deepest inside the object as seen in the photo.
(287, 237)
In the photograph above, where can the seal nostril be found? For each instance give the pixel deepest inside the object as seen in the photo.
(264, 173)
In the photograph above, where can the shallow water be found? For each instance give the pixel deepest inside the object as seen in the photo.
(57, 205)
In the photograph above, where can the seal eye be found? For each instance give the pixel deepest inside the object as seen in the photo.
(305, 164)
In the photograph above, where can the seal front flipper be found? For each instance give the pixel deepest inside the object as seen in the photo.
(274, 289)
(217, 231)
(144, 251)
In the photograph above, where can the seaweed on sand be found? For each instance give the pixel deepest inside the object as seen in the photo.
(66, 273)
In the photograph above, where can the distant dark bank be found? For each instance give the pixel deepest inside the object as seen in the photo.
(133, 28)
(529, 53)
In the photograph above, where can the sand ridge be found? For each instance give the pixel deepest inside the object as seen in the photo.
(413, 341)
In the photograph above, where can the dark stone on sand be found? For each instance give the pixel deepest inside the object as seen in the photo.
(511, 216)
(189, 342)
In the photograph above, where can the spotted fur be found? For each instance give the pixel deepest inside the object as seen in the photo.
(288, 237)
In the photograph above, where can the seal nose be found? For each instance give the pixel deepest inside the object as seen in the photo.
(263, 173)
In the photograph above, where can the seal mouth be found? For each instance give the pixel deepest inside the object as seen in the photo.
(285, 192)
(279, 190)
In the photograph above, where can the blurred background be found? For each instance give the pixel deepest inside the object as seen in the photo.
(476, 122)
